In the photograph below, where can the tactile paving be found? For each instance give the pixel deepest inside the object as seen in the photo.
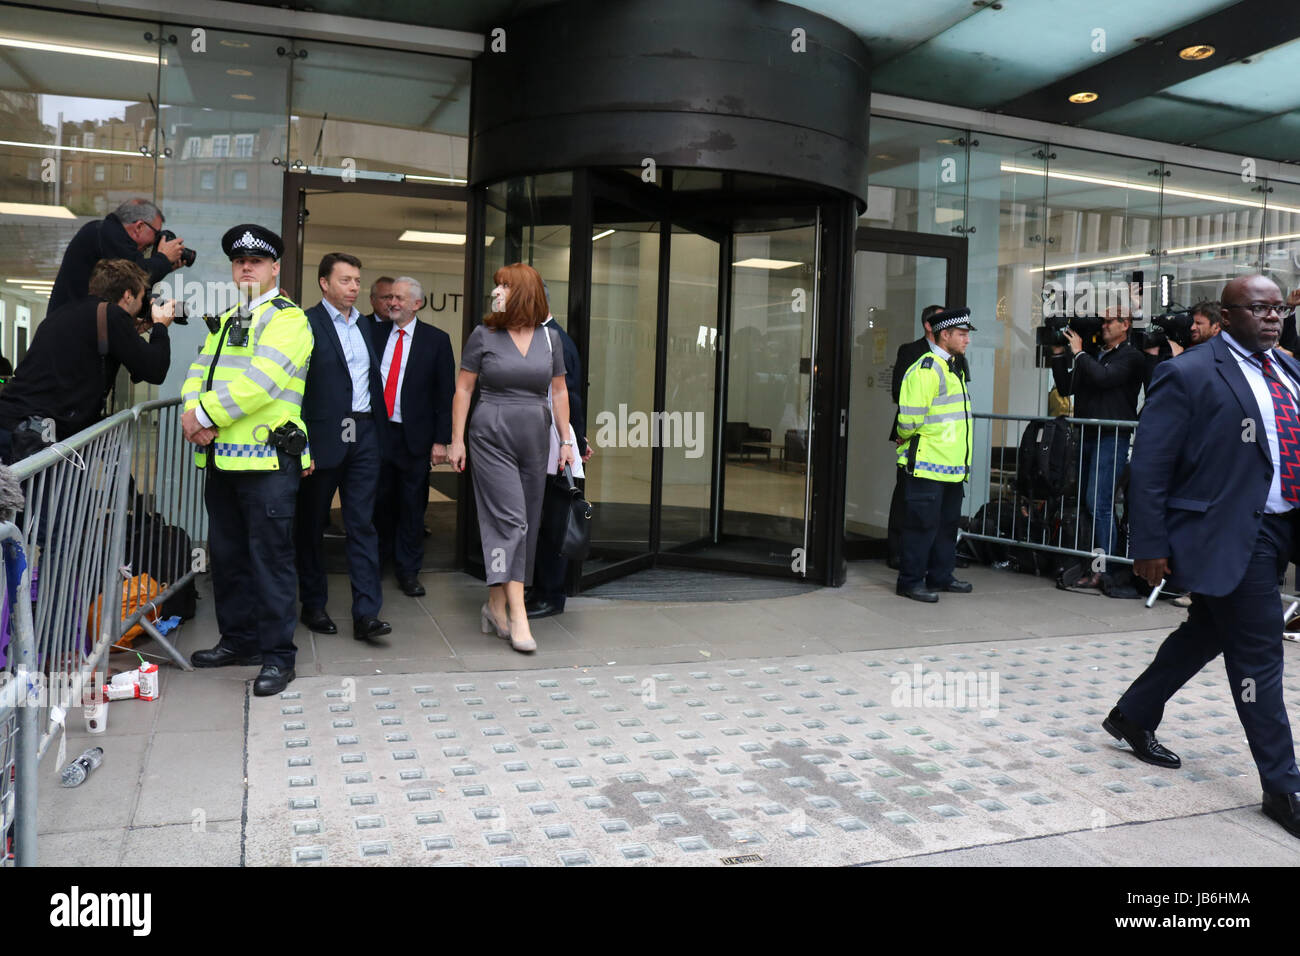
(833, 759)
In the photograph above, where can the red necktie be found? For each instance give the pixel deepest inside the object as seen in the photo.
(394, 373)
(1288, 430)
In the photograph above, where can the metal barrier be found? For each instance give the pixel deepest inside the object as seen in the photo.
(1008, 506)
(115, 501)
(19, 710)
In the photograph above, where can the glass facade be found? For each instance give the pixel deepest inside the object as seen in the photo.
(205, 123)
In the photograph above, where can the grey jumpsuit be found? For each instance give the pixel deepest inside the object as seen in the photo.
(508, 444)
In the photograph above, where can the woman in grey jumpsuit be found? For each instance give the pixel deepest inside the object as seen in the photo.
(514, 366)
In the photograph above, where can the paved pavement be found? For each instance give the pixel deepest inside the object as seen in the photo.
(798, 730)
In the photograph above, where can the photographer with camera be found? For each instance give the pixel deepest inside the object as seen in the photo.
(62, 382)
(123, 234)
(1171, 335)
(243, 411)
(1104, 386)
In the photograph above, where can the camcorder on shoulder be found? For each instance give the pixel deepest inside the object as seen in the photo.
(1168, 327)
(1050, 333)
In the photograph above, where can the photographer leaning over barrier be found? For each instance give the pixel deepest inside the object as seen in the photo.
(73, 360)
(1104, 386)
(124, 233)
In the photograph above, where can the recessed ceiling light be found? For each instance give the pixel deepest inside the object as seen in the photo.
(1201, 51)
(237, 44)
(242, 96)
(1084, 97)
(439, 238)
(35, 209)
(884, 156)
(755, 263)
(602, 235)
(239, 72)
(150, 59)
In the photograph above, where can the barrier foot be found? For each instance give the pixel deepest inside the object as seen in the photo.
(174, 654)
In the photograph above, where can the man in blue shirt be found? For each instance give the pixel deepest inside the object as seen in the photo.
(343, 409)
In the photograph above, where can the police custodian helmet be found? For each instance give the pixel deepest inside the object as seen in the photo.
(250, 239)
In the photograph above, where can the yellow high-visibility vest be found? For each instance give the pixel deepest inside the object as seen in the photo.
(934, 419)
(252, 389)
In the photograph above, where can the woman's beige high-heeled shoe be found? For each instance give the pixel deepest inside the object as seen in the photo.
(489, 625)
(523, 644)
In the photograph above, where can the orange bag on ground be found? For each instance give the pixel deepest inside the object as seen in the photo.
(136, 591)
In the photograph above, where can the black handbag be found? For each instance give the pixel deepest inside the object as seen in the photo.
(575, 539)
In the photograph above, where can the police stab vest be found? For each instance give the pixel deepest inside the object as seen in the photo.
(252, 387)
(934, 421)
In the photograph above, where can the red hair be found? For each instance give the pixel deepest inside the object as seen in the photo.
(525, 305)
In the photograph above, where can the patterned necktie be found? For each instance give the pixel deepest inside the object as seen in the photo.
(394, 373)
(1288, 430)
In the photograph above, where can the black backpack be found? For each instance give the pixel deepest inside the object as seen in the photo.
(1048, 459)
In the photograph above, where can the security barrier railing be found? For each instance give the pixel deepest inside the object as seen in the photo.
(1032, 481)
(112, 514)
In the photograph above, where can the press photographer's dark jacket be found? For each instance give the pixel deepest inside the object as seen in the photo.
(63, 376)
(100, 239)
(1105, 387)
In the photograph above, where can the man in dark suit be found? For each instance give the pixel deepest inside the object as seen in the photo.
(1214, 487)
(547, 596)
(419, 378)
(381, 294)
(123, 234)
(908, 353)
(343, 409)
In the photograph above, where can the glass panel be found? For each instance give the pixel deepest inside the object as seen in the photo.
(769, 377)
(1282, 228)
(689, 397)
(223, 117)
(527, 220)
(1008, 239)
(889, 293)
(419, 125)
(620, 393)
(917, 178)
(1210, 232)
(74, 120)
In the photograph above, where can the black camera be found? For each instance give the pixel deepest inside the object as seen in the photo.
(288, 438)
(1170, 327)
(178, 315)
(1049, 334)
(188, 256)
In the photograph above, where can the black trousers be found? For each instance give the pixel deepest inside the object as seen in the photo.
(402, 501)
(897, 512)
(356, 479)
(250, 540)
(932, 510)
(551, 567)
(1246, 628)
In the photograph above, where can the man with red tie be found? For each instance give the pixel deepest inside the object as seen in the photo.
(1214, 498)
(419, 375)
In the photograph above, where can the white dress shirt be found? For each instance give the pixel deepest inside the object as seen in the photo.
(1263, 398)
(202, 416)
(391, 344)
(353, 340)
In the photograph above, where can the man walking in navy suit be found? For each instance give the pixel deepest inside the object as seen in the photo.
(419, 378)
(1214, 488)
(547, 596)
(343, 408)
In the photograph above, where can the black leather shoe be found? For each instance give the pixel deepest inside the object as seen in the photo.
(222, 656)
(369, 628)
(319, 621)
(272, 680)
(541, 607)
(918, 594)
(1145, 746)
(411, 587)
(1285, 809)
(955, 586)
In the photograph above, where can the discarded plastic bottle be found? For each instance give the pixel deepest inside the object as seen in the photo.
(75, 773)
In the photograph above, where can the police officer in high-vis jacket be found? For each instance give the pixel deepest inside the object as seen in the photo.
(243, 401)
(935, 426)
